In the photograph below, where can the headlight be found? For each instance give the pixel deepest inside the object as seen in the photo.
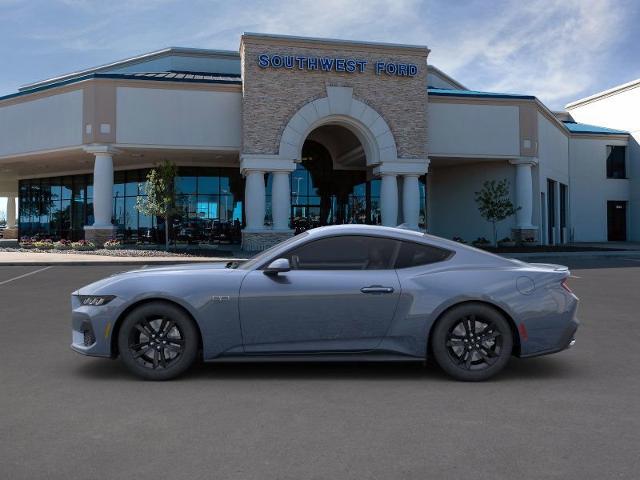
(95, 300)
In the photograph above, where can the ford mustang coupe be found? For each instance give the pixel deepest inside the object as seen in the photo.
(341, 293)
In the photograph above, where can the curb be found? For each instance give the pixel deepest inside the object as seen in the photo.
(596, 254)
(94, 263)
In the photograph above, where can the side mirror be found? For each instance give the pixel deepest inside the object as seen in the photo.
(279, 265)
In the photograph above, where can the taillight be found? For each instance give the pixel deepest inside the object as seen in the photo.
(565, 284)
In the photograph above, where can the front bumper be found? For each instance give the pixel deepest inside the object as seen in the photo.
(92, 327)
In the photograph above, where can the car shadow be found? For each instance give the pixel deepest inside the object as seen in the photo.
(517, 370)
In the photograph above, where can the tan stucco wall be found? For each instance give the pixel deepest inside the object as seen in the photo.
(272, 96)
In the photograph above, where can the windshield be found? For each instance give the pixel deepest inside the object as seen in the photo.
(264, 255)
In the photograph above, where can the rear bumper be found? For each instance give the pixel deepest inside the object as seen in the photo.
(565, 340)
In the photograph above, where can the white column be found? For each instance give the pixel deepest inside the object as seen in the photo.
(254, 199)
(280, 200)
(11, 212)
(103, 190)
(411, 201)
(389, 200)
(524, 192)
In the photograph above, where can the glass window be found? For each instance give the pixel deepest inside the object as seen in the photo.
(131, 185)
(186, 185)
(208, 185)
(67, 188)
(414, 254)
(348, 252)
(61, 206)
(616, 161)
(119, 179)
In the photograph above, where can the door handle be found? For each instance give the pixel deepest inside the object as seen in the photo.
(376, 289)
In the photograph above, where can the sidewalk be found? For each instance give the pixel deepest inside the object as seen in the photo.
(35, 259)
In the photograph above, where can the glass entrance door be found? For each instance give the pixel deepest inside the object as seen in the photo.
(322, 195)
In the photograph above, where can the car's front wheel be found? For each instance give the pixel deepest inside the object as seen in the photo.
(472, 342)
(158, 341)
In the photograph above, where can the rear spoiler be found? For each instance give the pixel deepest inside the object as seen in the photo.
(551, 266)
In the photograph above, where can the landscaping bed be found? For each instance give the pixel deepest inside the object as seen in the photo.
(113, 248)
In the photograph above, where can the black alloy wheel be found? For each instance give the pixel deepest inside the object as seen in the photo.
(158, 341)
(472, 342)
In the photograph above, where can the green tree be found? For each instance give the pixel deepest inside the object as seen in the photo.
(160, 199)
(494, 203)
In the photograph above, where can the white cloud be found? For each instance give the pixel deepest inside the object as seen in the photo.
(553, 49)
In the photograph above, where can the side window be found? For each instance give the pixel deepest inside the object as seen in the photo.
(347, 252)
(616, 161)
(414, 254)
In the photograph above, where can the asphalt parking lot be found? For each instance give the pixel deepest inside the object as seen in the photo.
(571, 415)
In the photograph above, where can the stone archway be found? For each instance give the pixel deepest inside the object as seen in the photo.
(340, 108)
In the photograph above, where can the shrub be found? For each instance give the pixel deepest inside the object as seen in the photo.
(83, 245)
(43, 244)
(458, 239)
(505, 240)
(112, 244)
(481, 241)
(26, 242)
(62, 245)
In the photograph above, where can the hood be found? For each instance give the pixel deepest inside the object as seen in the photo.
(140, 275)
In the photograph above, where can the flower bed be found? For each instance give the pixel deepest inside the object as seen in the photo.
(83, 245)
(112, 244)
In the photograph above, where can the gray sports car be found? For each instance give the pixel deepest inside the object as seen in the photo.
(342, 293)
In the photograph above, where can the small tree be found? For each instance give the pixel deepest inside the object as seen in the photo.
(494, 203)
(160, 193)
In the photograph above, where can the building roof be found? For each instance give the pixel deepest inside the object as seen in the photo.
(604, 93)
(575, 127)
(145, 57)
(436, 71)
(445, 92)
(171, 76)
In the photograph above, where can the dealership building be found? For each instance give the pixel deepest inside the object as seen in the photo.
(290, 133)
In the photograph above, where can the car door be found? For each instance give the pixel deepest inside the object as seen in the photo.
(339, 296)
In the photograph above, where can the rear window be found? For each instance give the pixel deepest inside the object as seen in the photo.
(415, 254)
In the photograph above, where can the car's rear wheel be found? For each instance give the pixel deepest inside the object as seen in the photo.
(158, 341)
(472, 342)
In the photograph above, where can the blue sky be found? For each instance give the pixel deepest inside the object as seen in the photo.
(558, 50)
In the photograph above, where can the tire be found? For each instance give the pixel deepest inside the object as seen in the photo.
(472, 342)
(158, 341)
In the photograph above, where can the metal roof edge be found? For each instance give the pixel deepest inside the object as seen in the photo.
(476, 94)
(604, 93)
(121, 76)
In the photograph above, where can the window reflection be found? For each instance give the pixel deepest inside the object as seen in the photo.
(322, 195)
(209, 203)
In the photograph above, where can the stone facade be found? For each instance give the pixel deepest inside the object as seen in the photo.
(258, 241)
(10, 233)
(524, 234)
(271, 96)
(98, 235)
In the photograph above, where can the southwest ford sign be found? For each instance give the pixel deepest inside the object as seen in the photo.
(334, 64)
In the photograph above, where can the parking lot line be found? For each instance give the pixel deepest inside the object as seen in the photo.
(25, 275)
